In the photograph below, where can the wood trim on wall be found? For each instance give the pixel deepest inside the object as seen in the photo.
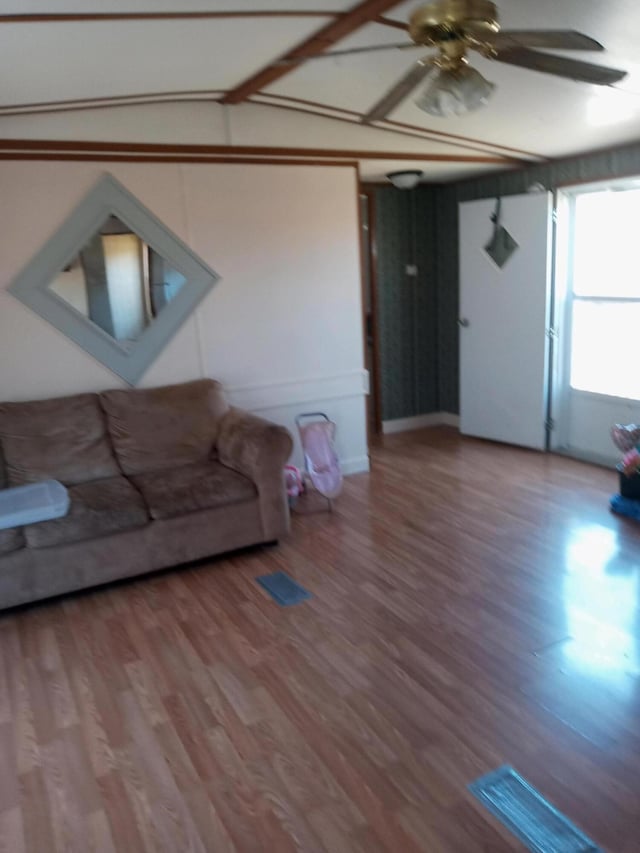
(365, 12)
(124, 157)
(358, 183)
(374, 377)
(156, 150)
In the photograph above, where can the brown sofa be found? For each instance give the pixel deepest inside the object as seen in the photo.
(156, 477)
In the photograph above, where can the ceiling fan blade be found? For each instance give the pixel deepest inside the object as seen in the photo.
(354, 50)
(586, 72)
(559, 39)
(399, 92)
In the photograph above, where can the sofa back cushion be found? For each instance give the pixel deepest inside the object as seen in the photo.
(159, 428)
(61, 439)
(12, 538)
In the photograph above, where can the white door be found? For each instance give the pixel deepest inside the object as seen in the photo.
(503, 321)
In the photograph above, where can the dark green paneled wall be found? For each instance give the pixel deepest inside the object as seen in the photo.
(407, 305)
(418, 318)
(445, 202)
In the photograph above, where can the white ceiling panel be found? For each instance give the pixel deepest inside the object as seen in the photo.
(281, 127)
(176, 124)
(543, 114)
(601, 19)
(80, 60)
(529, 110)
(44, 62)
(351, 82)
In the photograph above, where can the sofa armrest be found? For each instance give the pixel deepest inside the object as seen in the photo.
(259, 449)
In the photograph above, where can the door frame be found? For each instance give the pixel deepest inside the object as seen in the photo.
(370, 254)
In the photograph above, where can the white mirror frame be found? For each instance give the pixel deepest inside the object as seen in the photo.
(32, 285)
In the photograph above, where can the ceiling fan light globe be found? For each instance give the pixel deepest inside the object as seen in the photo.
(454, 92)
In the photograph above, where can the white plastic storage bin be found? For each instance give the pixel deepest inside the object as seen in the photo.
(35, 502)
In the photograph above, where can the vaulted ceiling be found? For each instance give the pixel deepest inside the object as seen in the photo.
(228, 73)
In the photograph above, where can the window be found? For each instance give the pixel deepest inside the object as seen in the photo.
(605, 292)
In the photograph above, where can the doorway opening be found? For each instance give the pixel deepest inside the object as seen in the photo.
(370, 310)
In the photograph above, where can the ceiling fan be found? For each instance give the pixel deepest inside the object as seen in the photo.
(456, 27)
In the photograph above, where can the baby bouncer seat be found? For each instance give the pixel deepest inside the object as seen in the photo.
(320, 458)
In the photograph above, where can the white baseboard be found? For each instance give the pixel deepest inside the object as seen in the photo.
(450, 419)
(420, 422)
(355, 465)
(609, 462)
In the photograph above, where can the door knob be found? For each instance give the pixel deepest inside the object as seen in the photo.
(463, 322)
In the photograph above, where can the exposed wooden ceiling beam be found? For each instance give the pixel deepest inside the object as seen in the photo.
(365, 12)
(66, 17)
(85, 147)
(391, 22)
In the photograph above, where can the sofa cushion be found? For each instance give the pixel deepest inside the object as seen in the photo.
(61, 439)
(97, 509)
(11, 540)
(193, 487)
(161, 428)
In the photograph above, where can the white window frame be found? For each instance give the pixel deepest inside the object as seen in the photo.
(564, 299)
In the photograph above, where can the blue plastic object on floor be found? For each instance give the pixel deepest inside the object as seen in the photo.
(540, 827)
(283, 589)
(625, 506)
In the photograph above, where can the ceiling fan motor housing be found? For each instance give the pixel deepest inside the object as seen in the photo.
(450, 20)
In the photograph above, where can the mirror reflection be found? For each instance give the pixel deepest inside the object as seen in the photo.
(118, 282)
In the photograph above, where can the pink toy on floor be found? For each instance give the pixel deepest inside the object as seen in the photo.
(293, 483)
(626, 437)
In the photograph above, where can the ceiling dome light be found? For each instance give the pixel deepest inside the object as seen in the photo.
(454, 91)
(405, 180)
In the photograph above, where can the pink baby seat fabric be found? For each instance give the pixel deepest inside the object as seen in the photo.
(321, 459)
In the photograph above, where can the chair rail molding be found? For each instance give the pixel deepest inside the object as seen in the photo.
(293, 392)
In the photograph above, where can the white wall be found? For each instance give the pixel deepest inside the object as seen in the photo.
(283, 327)
(589, 421)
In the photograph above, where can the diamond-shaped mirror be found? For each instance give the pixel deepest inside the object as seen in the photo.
(115, 280)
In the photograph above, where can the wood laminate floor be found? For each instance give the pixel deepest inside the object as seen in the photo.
(473, 605)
